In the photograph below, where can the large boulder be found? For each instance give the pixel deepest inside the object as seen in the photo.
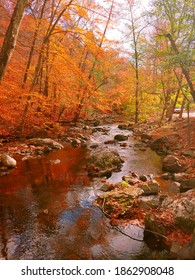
(7, 161)
(175, 213)
(120, 201)
(172, 224)
(183, 210)
(104, 163)
(172, 164)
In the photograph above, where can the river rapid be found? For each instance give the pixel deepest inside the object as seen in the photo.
(47, 211)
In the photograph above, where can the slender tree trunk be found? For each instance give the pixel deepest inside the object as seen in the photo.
(184, 70)
(48, 34)
(11, 35)
(33, 44)
(174, 105)
(182, 107)
(46, 88)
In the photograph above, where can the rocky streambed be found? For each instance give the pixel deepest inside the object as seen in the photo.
(112, 168)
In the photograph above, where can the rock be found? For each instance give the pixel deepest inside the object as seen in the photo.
(103, 163)
(187, 184)
(120, 137)
(178, 177)
(75, 143)
(123, 126)
(120, 200)
(149, 188)
(96, 123)
(172, 164)
(156, 228)
(183, 210)
(131, 180)
(189, 153)
(145, 137)
(149, 204)
(174, 187)
(105, 187)
(56, 161)
(166, 176)
(7, 161)
(175, 213)
(128, 126)
(86, 127)
(110, 142)
(94, 146)
(143, 178)
(50, 143)
(124, 145)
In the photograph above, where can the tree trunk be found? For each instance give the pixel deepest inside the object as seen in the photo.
(184, 70)
(174, 105)
(33, 44)
(11, 35)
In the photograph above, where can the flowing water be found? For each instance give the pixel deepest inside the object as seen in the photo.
(46, 209)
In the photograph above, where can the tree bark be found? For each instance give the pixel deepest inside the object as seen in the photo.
(184, 70)
(11, 36)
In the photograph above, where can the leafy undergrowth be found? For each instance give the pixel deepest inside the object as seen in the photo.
(178, 236)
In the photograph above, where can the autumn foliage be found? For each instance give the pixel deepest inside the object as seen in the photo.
(64, 67)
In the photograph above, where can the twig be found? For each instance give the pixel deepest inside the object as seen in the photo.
(136, 239)
(118, 229)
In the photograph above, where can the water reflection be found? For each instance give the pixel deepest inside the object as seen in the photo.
(46, 212)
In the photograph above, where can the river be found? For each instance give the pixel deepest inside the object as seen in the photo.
(46, 209)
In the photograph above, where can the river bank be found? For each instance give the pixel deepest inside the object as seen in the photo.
(135, 157)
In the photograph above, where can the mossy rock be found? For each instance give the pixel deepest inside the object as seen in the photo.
(104, 162)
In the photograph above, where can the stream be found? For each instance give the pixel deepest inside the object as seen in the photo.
(46, 209)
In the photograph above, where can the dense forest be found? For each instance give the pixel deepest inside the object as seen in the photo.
(61, 61)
